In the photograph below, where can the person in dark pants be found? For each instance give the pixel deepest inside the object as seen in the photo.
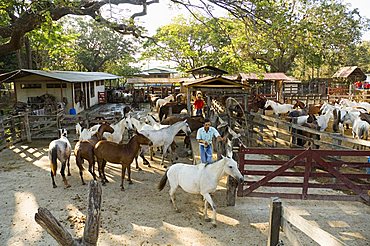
(198, 105)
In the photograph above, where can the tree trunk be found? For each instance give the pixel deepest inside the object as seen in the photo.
(27, 45)
(91, 233)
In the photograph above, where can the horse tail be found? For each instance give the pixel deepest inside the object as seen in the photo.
(163, 181)
(54, 156)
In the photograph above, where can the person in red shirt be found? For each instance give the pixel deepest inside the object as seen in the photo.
(198, 105)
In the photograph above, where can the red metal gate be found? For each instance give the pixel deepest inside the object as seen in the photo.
(306, 171)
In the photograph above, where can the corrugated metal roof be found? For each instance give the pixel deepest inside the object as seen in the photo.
(263, 76)
(344, 72)
(204, 80)
(68, 76)
(138, 80)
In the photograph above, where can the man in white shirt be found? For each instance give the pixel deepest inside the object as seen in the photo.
(205, 135)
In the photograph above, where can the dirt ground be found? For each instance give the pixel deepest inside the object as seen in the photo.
(141, 215)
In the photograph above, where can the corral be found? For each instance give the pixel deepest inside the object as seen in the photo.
(134, 216)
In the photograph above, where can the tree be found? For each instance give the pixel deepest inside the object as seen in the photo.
(192, 43)
(17, 18)
(97, 45)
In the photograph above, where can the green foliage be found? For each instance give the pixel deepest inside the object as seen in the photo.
(52, 47)
(191, 43)
(98, 48)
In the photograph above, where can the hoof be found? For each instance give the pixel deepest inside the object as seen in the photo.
(69, 174)
(178, 211)
(164, 166)
(103, 184)
(146, 163)
(176, 158)
(67, 186)
(207, 220)
(139, 169)
(106, 181)
(130, 182)
(122, 189)
(83, 183)
(54, 186)
(214, 225)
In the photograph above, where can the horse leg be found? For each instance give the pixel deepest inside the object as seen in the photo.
(129, 175)
(53, 173)
(165, 148)
(68, 165)
(173, 197)
(123, 176)
(208, 198)
(63, 175)
(79, 162)
(205, 213)
(92, 166)
(151, 153)
(137, 164)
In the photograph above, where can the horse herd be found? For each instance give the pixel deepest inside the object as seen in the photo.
(342, 113)
(104, 143)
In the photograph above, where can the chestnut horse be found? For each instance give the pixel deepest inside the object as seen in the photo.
(84, 149)
(122, 154)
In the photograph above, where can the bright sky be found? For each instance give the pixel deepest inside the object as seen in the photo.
(162, 13)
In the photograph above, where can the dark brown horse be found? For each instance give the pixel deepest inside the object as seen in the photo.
(310, 109)
(258, 102)
(194, 122)
(164, 111)
(122, 154)
(84, 149)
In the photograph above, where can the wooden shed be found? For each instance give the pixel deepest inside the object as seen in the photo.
(78, 90)
(213, 88)
(350, 74)
(266, 83)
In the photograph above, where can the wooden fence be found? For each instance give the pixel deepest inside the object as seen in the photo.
(298, 171)
(290, 222)
(14, 129)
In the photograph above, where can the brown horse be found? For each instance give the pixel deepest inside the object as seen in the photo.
(164, 111)
(84, 149)
(310, 109)
(258, 102)
(194, 122)
(122, 154)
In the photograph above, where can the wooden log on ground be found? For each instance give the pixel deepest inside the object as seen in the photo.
(91, 232)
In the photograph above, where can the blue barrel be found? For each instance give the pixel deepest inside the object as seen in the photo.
(368, 168)
(72, 111)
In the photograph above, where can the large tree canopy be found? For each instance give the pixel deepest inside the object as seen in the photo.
(20, 17)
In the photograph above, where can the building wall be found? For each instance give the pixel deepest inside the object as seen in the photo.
(24, 93)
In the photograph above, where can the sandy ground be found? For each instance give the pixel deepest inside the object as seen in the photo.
(141, 215)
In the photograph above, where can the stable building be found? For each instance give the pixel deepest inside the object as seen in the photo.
(77, 90)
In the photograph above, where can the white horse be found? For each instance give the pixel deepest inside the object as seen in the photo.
(119, 130)
(279, 108)
(165, 136)
(160, 102)
(360, 128)
(200, 179)
(60, 149)
(323, 120)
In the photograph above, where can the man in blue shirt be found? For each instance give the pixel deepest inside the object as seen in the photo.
(205, 135)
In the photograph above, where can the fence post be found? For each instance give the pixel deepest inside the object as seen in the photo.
(232, 185)
(275, 133)
(2, 130)
(12, 129)
(27, 127)
(275, 222)
(293, 132)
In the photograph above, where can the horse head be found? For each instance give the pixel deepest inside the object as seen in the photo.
(105, 127)
(142, 139)
(186, 128)
(62, 132)
(299, 104)
(231, 168)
